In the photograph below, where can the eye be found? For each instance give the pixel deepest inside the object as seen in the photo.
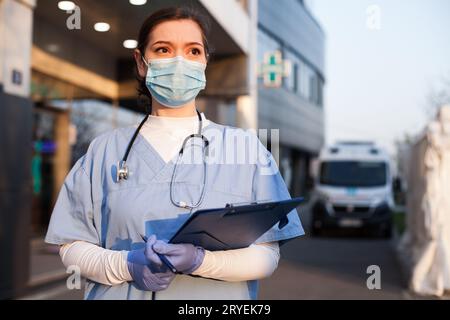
(195, 51)
(162, 50)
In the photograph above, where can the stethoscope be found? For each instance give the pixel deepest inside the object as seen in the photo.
(123, 172)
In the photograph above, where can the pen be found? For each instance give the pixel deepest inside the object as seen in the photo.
(163, 258)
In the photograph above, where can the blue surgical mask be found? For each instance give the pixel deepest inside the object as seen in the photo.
(174, 82)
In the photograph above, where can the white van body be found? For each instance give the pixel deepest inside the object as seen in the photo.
(353, 187)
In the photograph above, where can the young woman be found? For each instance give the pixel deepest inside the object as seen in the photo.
(105, 209)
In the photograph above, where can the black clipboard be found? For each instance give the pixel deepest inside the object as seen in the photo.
(235, 226)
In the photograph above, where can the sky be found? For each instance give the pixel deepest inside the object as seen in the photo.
(383, 58)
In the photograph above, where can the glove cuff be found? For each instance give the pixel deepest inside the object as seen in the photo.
(199, 256)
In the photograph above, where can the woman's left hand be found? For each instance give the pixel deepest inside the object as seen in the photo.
(185, 257)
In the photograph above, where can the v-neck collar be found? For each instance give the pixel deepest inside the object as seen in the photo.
(151, 157)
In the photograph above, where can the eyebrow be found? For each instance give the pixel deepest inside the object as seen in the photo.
(170, 43)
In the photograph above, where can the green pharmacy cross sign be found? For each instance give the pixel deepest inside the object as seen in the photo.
(274, 68)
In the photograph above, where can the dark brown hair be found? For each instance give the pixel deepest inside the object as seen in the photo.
(162, 15)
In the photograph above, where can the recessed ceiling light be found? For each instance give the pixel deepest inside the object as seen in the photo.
(102, 26)
(130, 44)
(66, 5)
(138, 2)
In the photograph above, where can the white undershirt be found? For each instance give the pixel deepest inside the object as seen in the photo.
(166, 135)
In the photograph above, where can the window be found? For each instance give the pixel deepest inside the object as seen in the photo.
(313, 88)
(353, 173)
(291, 82)
(310, 84)
(305, 82)
(316, 89)
(320, 93)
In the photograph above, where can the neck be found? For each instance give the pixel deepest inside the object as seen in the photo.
(187, 110)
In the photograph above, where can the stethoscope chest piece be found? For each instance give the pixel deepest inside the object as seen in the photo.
(122, 171)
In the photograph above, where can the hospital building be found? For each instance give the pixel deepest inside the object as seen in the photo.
(67, 75)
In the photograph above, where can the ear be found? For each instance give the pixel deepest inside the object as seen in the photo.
(141, 67)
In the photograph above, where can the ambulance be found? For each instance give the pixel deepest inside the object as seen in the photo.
(352, 189)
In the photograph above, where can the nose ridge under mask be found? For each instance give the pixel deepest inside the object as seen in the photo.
(175, 81)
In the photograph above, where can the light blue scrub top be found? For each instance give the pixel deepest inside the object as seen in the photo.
(93, 207)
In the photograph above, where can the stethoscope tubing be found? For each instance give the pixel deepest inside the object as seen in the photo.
(122, 170)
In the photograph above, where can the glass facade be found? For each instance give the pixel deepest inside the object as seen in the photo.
(303, 79)
(296, 107)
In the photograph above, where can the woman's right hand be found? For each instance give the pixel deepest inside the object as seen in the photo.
(147, 270)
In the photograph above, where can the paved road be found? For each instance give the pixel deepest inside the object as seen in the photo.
(334, 267)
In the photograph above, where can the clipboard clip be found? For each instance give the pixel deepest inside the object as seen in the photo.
(281, 224)
(230, 205)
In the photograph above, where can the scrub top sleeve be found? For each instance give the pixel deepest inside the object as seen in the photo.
(268, 185)
(72, 217)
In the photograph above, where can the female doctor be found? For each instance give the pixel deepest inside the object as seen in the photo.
(143, 182)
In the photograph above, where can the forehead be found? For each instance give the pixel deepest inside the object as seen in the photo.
(177, 31)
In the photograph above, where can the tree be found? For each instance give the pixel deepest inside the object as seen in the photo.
(438, 96)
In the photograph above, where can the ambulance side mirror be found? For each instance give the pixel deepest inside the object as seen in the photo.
(397, 184)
